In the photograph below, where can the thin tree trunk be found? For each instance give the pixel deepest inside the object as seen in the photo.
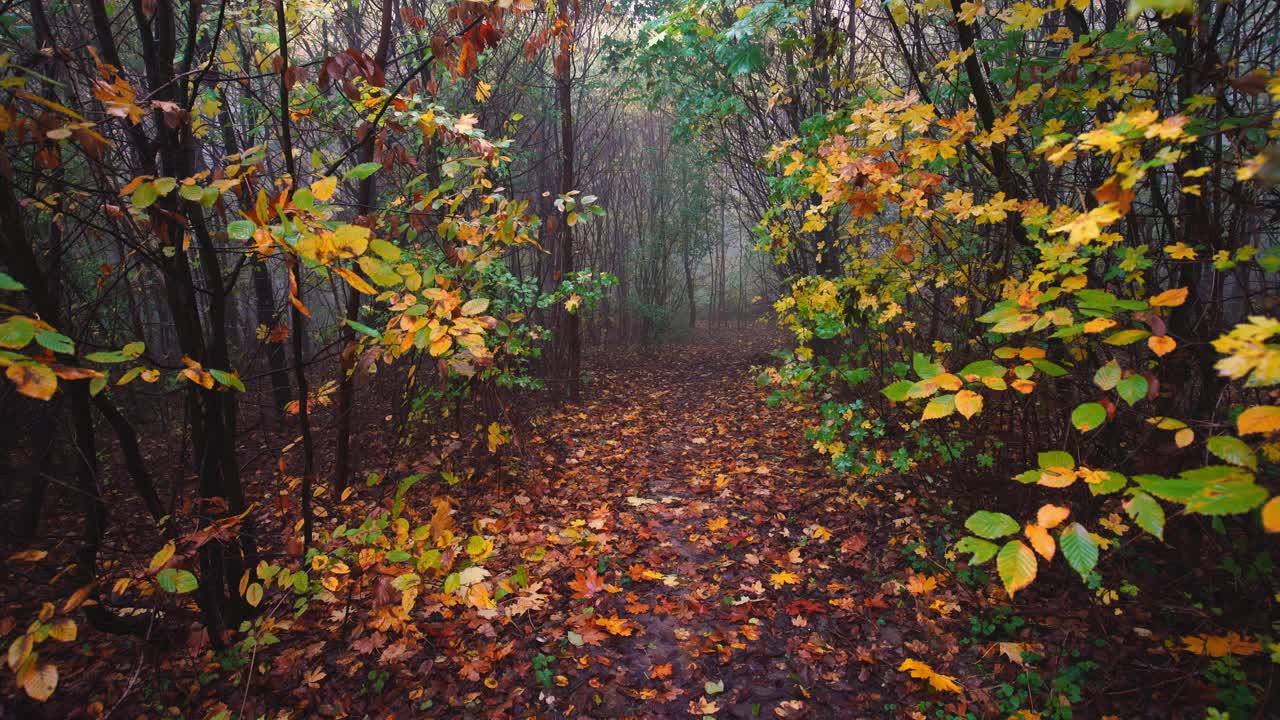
(564, 97)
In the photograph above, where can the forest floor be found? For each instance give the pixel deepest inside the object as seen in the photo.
(667, 547)
(702, 562)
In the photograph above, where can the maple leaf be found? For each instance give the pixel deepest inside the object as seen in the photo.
(920, 584)
(941, 683)
(586, 585)
(658, 672)
(703, 706)
(1220, 646)
(780, 579)
(615, 625)
(718, 523)
(313, 677)
(1013, 650)
(529, 599)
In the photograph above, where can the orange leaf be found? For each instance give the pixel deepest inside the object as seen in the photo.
(1170, 298)
(1161, 344)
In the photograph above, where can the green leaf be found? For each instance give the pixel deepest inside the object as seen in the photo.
(1233, 450)
(924, 367)
(228, 379)
(8, 283)
(939, 407)
(1088, 416)
(1178, 489)
(1056, 459)
(144, 196)
(1146, 512)
(1114, 482)
(164, 185)
(1079, 548)
(1029, 477)
(983, 368)
(16, 332)
(1218, 473)
(362, 171)
(713, 688)
(406, 581)
(1016, 565)
(379, 272)
(1161, 7)
(173, 580)
(897, 392)
(1049, 368)
(108, 357)
(240, 229)
(1228, 498)
(980, 549)
(304, 199)
(1132, 388)
(365, 329)
(384, 249)
(56, 342)
(991, 525)
(1108, 375)
(1126, 337)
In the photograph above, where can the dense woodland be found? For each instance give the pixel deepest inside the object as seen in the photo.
(656, 358)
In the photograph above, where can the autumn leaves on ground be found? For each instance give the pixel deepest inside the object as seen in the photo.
(669, 549)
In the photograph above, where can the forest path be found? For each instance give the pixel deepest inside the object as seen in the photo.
(701, 548)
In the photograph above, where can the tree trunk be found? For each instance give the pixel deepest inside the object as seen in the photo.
(564, 97)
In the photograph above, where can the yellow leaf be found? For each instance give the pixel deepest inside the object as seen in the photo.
(33, 380)
(1161, 344)
(1184, 437)
(783, 578)
(40, 682)
(719, 523)
(63, 630)
(1041, 541)
(1057, 477)
(440, 346)
(1260, 419)
(1051, 516)
(941, 683)
(1097, 325)
(253, 595)
(948, 381)
(478, 597)
(968, 403)
(1220, 646)
(615, 625)
(939, 407)
(28, 556)
(1170, 298)
(1271, 515)
(159, 559)
(1016, 565)
(921, 584)
(324, 188)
